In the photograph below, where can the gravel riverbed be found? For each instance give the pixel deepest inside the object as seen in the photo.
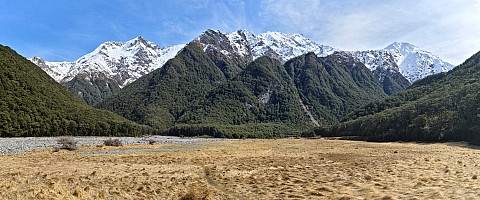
(25, 144)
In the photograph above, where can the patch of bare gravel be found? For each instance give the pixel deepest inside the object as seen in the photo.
(25, 144)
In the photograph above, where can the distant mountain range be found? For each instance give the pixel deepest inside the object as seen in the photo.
(113, 65)
(242, 85)
(219, 86)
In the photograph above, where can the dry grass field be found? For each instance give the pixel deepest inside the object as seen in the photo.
(247, 169)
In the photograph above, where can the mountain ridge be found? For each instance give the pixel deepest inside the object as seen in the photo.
(285, 46)
(203, 91)
(113, 65)
(108, 68)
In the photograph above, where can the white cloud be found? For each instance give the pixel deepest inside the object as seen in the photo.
(447, 28)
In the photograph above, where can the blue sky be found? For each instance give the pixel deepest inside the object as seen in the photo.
(62, 30)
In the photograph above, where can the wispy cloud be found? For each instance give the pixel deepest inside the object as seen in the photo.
(72, 29)
(447, 28)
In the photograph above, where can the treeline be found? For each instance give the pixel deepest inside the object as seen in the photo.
(257, 130)
(23, 127)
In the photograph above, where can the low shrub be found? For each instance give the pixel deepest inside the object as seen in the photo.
(308, 134)
(151, 141)
(67, 143)
(113, 142)
(56, 149)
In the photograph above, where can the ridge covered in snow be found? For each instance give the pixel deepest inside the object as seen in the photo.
(282, 46)
(415, 63)
(123, 62)
(56, 70)
(410, 61)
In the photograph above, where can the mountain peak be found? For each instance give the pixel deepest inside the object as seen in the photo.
(211, 31)
(243, 31)
(139, 38)
(402, 46)
(415, 63)
(36, 59)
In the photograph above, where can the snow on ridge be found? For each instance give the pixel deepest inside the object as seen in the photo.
(56, 70)
(283, 46)
(127, 61)
(411, 61)
(240, 41)
(415, 63)
(121, 61)
(287, 45)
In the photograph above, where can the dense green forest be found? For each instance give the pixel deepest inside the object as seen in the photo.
(443, 107)
(33, 104)
(262, 93)
(208, 93)
(392, 81)
(92, 92)
(333, 86)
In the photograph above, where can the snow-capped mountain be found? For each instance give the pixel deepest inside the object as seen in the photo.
(416, 63)
(123, 62)
(127, 61)
(113, 65)
(412, 62)
(286, 46)
(109, 67)
(281, 46)
(57, 70)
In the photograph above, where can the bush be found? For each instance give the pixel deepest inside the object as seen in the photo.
(112, 142)
(56, 149)
(308, 134)
(151, 141)
(67, 143)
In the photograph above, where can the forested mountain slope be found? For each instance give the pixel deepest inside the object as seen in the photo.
(33, 104)
(201, 87)
(441, 107)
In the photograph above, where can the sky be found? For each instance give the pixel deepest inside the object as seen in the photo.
(59, 30)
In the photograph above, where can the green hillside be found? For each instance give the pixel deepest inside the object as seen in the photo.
(33, 104)
(331, 87)
(92, 92)
(262, 93)
(392, 81)
(443, 107)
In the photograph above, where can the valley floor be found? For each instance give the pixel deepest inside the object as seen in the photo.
(247, 169)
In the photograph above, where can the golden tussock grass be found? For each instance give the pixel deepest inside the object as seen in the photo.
(247, 169)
